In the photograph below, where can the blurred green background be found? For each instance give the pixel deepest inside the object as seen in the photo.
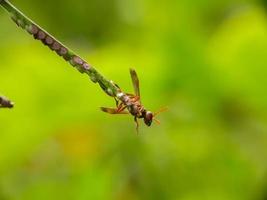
(204, 59)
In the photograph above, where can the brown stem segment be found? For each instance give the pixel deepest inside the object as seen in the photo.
(5, 103)
(76, 61)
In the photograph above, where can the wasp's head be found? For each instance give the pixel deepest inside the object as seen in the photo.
(148, 117)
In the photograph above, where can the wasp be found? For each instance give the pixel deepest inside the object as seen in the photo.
(131, 104)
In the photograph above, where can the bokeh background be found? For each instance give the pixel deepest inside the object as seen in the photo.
(204, 59)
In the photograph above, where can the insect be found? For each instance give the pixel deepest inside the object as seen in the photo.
(132, 102)
(126, 103)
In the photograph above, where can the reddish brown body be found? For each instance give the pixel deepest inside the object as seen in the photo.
(132, 103)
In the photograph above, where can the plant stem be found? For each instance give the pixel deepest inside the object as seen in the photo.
(47, 39)
(5, 103)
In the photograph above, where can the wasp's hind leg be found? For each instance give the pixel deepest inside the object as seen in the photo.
(119, 110)
(113, 110)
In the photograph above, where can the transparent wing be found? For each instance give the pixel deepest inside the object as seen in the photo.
(135, 81)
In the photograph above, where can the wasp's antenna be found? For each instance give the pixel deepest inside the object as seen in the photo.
(160, 111)
(157, 121)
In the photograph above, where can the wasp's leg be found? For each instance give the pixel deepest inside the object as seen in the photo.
(119, 110)
(116, 101)
(136, 125)
(133, 97)
(113, 110)
(115, 84)
(121, 107)
(136, 98)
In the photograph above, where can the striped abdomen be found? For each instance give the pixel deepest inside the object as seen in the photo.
(133, 104)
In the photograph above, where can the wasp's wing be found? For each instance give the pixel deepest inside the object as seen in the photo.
(135, 81)
(113, 111)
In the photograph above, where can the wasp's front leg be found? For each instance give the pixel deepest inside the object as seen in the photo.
(136, 125)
